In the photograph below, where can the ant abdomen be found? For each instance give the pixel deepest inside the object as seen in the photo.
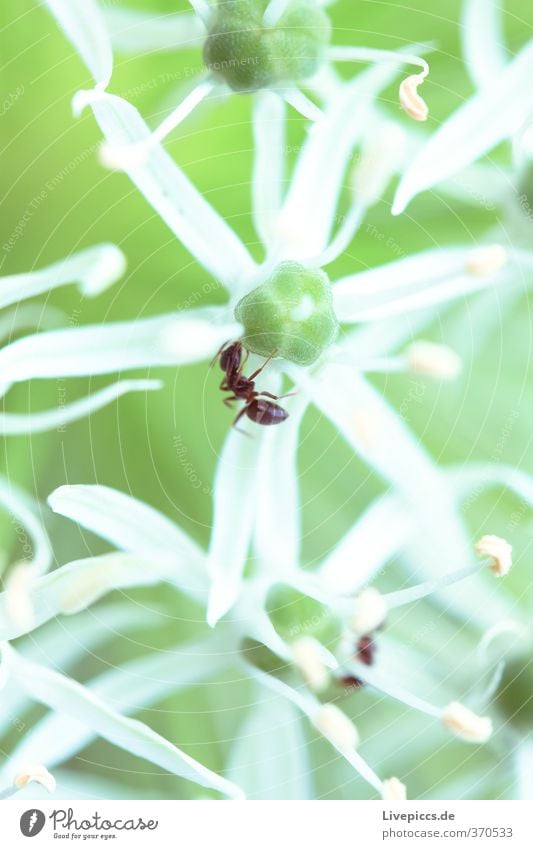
(265, 412)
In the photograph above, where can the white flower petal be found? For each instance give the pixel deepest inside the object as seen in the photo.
(79, 584)
(524, 769)
(366, 548)
(235, 499)
(136, 31)
(24, 510)
(94, 269)
(306, 219)
(380, 436)
(131, 687)
(269, 759)
(83, 24)
(483, 40)
(74, 640)
(134, 527)
(496, 113)
(68, 697)
(418, 282)
(116, 346)
(277, 523)
(14, 423)
(269, 162)
(171, 193)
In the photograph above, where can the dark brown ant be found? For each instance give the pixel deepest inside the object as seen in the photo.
(365, 652)
(256, 407)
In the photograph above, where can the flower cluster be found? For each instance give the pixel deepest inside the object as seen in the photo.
(329, 336)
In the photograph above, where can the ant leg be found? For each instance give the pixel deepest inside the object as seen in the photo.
(243, 362)
(218, 353)
(259, 370)
(278, 397)
(237, 419)
(229, 401)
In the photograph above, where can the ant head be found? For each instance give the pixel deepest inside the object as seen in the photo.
(230, 357)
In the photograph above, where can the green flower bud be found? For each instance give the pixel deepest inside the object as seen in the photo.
(292, 314)
(249, 56)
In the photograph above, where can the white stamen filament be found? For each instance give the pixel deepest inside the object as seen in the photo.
(299, 101)
(401, 597)
(274, 11)
(394, 691)
(466, 724)
(498, 550)
(202, 9)
(124, 157)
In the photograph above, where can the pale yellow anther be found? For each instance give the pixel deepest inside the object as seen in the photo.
(498, 550)
(370, 611)
(466, 724)
(35, 772)
(337, 727)
(410, 100)
(487, 260)
(432, 360)
(393, 790)
(308, 656)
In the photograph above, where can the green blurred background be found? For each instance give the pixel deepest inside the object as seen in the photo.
(133, 444)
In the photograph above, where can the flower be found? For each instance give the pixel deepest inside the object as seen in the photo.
(151, 548)
(248, 46)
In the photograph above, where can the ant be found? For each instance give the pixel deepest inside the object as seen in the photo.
(257, 408)
(365, 652)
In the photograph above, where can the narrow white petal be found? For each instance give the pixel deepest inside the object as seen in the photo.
(66, 696)
(269, 759)
(416, 282)
(24, 510)
(94, 269)
(366, 548)
(172, 195)
(235, 500)
(278, 522)
(524, 769)
(77, 585)
(496, 113)
(14, 423)
(135, 31)
(133, 526)
(100, 349)
(74, 639)
(203, 9)
(83, 23)
(483, 40)
(381, 437)
(137, 684)
(269, 162)
(306, 219)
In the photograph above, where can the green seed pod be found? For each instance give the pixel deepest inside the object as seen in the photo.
(248, 55)
(291, 313)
